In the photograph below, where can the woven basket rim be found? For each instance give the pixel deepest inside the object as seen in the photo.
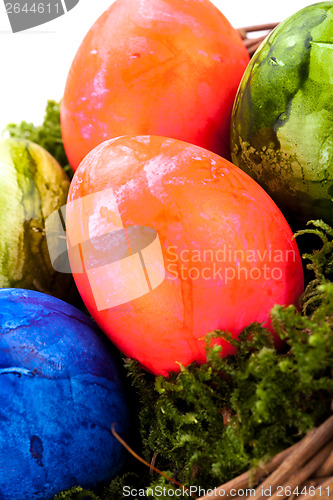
(253, 42)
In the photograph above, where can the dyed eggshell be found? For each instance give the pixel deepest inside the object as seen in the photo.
(154, 67)
(282, 121)
(228, 252)
(32, 186)
(60, 391)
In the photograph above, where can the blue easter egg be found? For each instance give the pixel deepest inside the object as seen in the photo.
(60, 392)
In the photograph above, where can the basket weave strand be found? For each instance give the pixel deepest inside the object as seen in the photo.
(252, 43)
(307, 463)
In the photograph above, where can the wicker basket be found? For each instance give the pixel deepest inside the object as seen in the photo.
(305, 470)
(250, 36)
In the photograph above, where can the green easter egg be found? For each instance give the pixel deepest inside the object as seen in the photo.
(32, 186)
(282, 122)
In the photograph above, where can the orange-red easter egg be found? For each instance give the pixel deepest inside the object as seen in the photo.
(173, 242)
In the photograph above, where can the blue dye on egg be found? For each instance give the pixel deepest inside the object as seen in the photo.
(60, 392)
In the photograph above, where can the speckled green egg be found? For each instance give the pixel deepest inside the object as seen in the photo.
(282, 122)
(32, 186)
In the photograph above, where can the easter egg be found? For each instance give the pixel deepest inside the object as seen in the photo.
(165, 68)
(168, 242)
(60, 392)
(33, 185)
(282, 122)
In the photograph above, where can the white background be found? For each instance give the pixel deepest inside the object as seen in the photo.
(34, 63)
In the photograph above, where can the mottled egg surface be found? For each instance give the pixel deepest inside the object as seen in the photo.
(60, 392)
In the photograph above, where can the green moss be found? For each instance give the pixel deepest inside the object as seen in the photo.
(76, 493)
(321, 265)
(47, 135)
